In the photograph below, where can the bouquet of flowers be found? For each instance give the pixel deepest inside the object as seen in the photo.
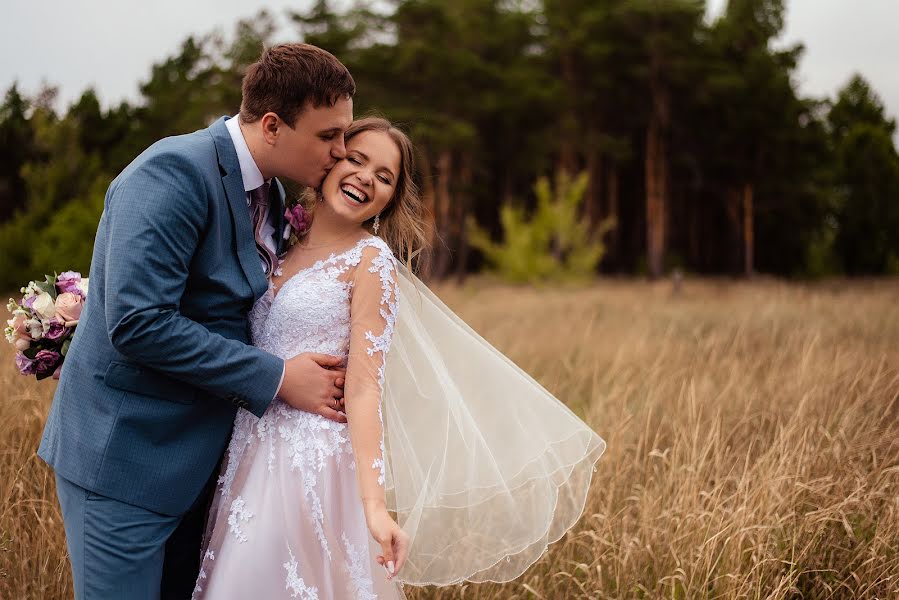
(43, 322)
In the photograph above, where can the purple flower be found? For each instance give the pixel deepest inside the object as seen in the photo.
(29, 302)
(46, 361)
(56, 331)
(68, 282)
(25, 364)
(298, 218)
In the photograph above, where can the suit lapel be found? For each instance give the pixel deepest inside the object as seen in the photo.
(237, 203)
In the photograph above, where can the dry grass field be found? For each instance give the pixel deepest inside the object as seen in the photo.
(751, 429)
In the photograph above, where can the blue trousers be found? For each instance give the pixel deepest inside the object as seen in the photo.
(119, 550)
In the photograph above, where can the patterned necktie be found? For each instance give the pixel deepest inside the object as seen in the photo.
(258, 206)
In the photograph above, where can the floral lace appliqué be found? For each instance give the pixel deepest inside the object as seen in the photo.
(360, 585)
(238, 514)
(385, 267)
(295, 584)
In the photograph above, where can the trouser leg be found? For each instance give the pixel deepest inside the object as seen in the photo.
(116, 549)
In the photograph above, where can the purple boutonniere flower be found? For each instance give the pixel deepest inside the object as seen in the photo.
(299, 219)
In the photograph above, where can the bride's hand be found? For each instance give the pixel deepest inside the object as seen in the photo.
(394, 541)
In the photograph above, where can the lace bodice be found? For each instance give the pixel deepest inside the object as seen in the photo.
(322, 308)
(311, 312)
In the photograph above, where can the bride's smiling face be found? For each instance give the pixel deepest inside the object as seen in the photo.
(361, 185)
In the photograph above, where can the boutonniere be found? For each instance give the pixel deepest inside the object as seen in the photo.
(299, 221)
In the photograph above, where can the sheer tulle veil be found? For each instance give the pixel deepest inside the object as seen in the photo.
(485, 468)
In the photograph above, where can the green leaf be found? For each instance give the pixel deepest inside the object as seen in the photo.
(50, 286)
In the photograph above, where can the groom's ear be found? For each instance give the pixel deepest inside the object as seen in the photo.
(270, 125)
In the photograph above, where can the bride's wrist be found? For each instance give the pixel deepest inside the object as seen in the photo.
(374, 506)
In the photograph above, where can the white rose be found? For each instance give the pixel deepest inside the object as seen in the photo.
(35, 328)
(44, 306)
(83, 286)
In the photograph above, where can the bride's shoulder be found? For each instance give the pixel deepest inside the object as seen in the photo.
(373, 249)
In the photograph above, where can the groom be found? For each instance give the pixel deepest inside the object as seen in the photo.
(161, 361)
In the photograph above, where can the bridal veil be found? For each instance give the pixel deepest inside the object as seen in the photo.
(484, 467)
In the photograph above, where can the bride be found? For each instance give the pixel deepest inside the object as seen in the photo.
(453, 464)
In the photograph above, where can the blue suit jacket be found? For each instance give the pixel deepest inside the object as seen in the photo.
(160, 361)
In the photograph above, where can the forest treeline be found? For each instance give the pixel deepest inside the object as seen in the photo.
(698, 150)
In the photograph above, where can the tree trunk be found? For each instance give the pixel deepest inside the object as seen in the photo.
(428, 196)
(461, 205)
(442, 253)
(612, 197)
(694, 233)
(569, 118)
(593, 194)
(748, 231)
(734, 240)
(656, 166)
(656, 196)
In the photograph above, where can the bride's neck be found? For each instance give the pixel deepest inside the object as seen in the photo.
(327, 229)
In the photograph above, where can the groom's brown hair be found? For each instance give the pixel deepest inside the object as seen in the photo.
(288, 76)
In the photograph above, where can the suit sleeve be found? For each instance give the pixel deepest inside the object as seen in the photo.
(373, 311)
(156, 216)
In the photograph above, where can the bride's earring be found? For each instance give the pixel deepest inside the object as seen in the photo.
(377, 223)
(321, 197)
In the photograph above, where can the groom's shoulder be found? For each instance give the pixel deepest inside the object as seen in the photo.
(197, 148)
(189, 153)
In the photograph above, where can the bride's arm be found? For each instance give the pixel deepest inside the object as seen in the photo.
(373, 311)
(372, 316)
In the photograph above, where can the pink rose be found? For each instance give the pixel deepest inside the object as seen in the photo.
(68, 308)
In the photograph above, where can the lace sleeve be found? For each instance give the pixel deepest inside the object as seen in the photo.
(373, 311)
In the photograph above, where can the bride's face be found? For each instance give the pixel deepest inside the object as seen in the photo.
(361, 185)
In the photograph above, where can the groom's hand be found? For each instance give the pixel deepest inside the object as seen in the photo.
(314, 383)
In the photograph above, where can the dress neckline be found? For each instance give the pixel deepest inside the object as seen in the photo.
(317, 265)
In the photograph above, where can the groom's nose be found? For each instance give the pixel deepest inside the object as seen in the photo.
(338, 149)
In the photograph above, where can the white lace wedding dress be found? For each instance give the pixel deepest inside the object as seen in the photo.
(287, 519)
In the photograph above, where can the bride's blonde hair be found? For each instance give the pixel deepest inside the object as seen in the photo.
(402, 221)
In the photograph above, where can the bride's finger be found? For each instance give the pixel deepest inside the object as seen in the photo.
(401, 548)
(387, 549)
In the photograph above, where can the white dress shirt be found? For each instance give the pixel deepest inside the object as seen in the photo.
(252, 179)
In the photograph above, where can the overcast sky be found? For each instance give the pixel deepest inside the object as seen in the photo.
(110, 44)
